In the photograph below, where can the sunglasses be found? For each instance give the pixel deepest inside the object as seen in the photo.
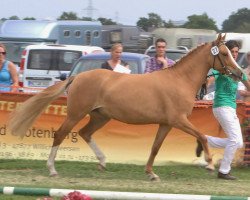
(3, 53)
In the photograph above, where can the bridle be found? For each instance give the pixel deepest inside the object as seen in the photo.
(216, 53)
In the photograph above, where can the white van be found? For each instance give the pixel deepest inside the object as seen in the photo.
(41, 65)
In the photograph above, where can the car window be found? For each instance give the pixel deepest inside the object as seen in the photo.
(170, 54)
(67, 59)
(133, 66)
(15, 50)
(151, 53)
(62, 60)
(86, 65)
(175, 55)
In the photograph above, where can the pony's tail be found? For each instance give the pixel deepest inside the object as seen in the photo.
(24, 116)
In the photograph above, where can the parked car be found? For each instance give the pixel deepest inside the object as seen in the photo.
(42, 65)
(136, 61)
(173, 54)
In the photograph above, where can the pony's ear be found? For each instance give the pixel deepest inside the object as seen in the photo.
(224, 37)
(218, 38)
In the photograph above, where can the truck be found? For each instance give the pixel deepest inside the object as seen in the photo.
(18, 34)
(190, 38)
(133, 38)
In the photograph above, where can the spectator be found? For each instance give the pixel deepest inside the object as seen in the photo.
(115, 63)
(8, 73)
(243, 92)
(159, 61)
(247, 69)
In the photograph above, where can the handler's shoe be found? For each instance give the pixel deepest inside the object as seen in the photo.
(226, 176)
(199, 148)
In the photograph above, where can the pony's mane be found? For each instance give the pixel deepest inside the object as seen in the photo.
(192, 51)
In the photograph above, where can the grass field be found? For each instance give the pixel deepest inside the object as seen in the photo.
(176, 178)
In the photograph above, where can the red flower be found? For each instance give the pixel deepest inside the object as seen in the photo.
(76, 196)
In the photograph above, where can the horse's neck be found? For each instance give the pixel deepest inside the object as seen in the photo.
(193, 68)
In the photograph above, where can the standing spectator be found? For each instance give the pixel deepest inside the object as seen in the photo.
(115, 63)
(159, 61)
(243, 92)
(224, 110)
(8, 73)
(247, 69)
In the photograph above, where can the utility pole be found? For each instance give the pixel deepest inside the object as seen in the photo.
(90, 9)
(117, 17)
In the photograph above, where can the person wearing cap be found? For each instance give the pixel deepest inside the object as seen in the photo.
(8, 73)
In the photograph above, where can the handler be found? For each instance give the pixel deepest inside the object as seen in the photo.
(224, 110)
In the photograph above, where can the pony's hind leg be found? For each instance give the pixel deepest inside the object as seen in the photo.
(59, 136)
(160, 136)
(186, 126)
(97, 120)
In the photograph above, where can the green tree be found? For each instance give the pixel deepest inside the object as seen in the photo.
(86, 19)
(200, 22)
(29, 18)
(143, 23)
(106, 21)
(243, 28)
(14, 17)
(153, 21)
(237, 22)
(68, 16)
(169, 24)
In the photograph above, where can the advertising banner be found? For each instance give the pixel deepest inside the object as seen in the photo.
(120, 142)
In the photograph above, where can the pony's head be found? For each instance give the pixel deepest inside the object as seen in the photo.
(223, 60)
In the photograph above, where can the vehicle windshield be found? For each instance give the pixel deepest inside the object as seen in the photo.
(44, 59)
(87, 65)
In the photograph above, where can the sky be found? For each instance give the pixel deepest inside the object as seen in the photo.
(126, 12)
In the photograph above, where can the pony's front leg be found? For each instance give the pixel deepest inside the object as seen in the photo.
(51, 161)
(160, 136)
(208, 156)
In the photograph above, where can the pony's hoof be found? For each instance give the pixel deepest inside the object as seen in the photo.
(101, 167)
(210, 168)
(53, 175)
(153, 177)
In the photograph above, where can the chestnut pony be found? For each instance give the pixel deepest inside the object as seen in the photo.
(164, 97)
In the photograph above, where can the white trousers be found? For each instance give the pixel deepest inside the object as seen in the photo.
(230, 123)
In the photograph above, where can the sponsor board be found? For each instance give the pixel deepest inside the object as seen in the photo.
(120, 142)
